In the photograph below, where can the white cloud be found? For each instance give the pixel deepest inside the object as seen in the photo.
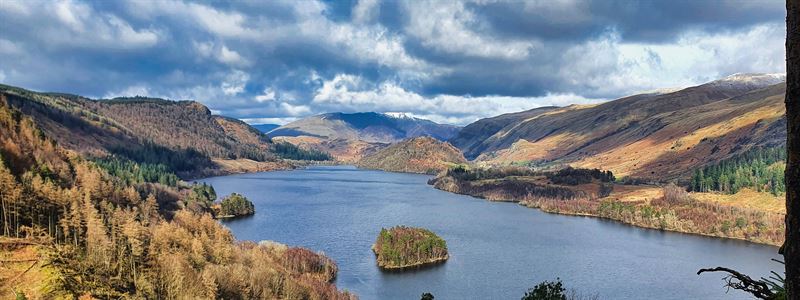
(231, 57)
(221, 23)
(364, 11)
(267, 95)
(609, 66)
(446, 26)
(131, 91)
(76, 24)
(351, 93)
(235, 83)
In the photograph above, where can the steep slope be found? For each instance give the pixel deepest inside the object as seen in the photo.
(71, 229)
(415, 155)
(648, 135)
(183, 135)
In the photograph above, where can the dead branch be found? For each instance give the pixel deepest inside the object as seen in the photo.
(739, 281)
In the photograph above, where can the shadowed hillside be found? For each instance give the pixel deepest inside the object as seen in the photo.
(183, 135)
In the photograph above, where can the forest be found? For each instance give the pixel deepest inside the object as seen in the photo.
(132, 173)
(103, 236)
(291, 151)
(761, 169)
(565, 176)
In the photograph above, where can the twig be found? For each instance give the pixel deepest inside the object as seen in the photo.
(743, 282)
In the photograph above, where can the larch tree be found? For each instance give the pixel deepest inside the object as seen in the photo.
(791, 247)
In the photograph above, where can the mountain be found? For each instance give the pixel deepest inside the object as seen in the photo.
(349, 136)
(265, 127)
(73, 227)
(369, 127)
(653, 135)
(415, 155)
(182, 135)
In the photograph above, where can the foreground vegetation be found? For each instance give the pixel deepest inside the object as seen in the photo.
(106, 236)
(591, 193)
(403, 247)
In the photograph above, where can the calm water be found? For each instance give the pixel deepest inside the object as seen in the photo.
(498, 250)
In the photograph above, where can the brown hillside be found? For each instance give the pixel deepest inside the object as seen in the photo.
(416, 155)
(182, 134)
(646, 135)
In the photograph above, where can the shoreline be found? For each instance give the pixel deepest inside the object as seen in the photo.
(642, 226)
(592, 215)
(295, 165)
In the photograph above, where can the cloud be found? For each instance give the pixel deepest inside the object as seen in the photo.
(351, 93)
(452, 61)
(235, 82)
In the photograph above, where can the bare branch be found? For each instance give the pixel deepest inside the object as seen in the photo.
(739, 281)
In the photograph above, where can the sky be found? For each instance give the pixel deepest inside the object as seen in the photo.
(449, 61)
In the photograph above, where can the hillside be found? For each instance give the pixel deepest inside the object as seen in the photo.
(655, 135)
(70, 228)
(183, 135)
(415, 155)
(348, 137)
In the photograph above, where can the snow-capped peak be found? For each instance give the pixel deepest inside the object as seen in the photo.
(399, 115)
(750, 80)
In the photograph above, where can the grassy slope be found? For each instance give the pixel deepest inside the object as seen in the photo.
(416, 155)
(663, 136)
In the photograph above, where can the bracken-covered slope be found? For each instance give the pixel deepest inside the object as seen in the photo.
(416, 155)
(661, 135)
(181, 134)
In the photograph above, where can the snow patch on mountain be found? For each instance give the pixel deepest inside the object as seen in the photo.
(750, 80)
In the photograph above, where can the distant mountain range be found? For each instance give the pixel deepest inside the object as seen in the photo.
(658, 134)
(265, 127)
(349, 136)
(369, 127)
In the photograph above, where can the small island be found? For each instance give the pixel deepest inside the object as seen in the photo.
(402, 247)
(235, 205)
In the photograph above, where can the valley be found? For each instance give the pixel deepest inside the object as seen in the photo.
(705, 160)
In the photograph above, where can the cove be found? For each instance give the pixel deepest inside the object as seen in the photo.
(497, 250)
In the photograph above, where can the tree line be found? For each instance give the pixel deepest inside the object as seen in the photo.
(761, 169)
(131, 172)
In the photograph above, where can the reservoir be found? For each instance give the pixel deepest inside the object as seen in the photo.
(497, 250)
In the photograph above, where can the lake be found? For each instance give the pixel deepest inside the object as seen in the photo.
(497, 250)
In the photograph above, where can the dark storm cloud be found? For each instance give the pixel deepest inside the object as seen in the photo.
(277, 60)
(648, 21)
